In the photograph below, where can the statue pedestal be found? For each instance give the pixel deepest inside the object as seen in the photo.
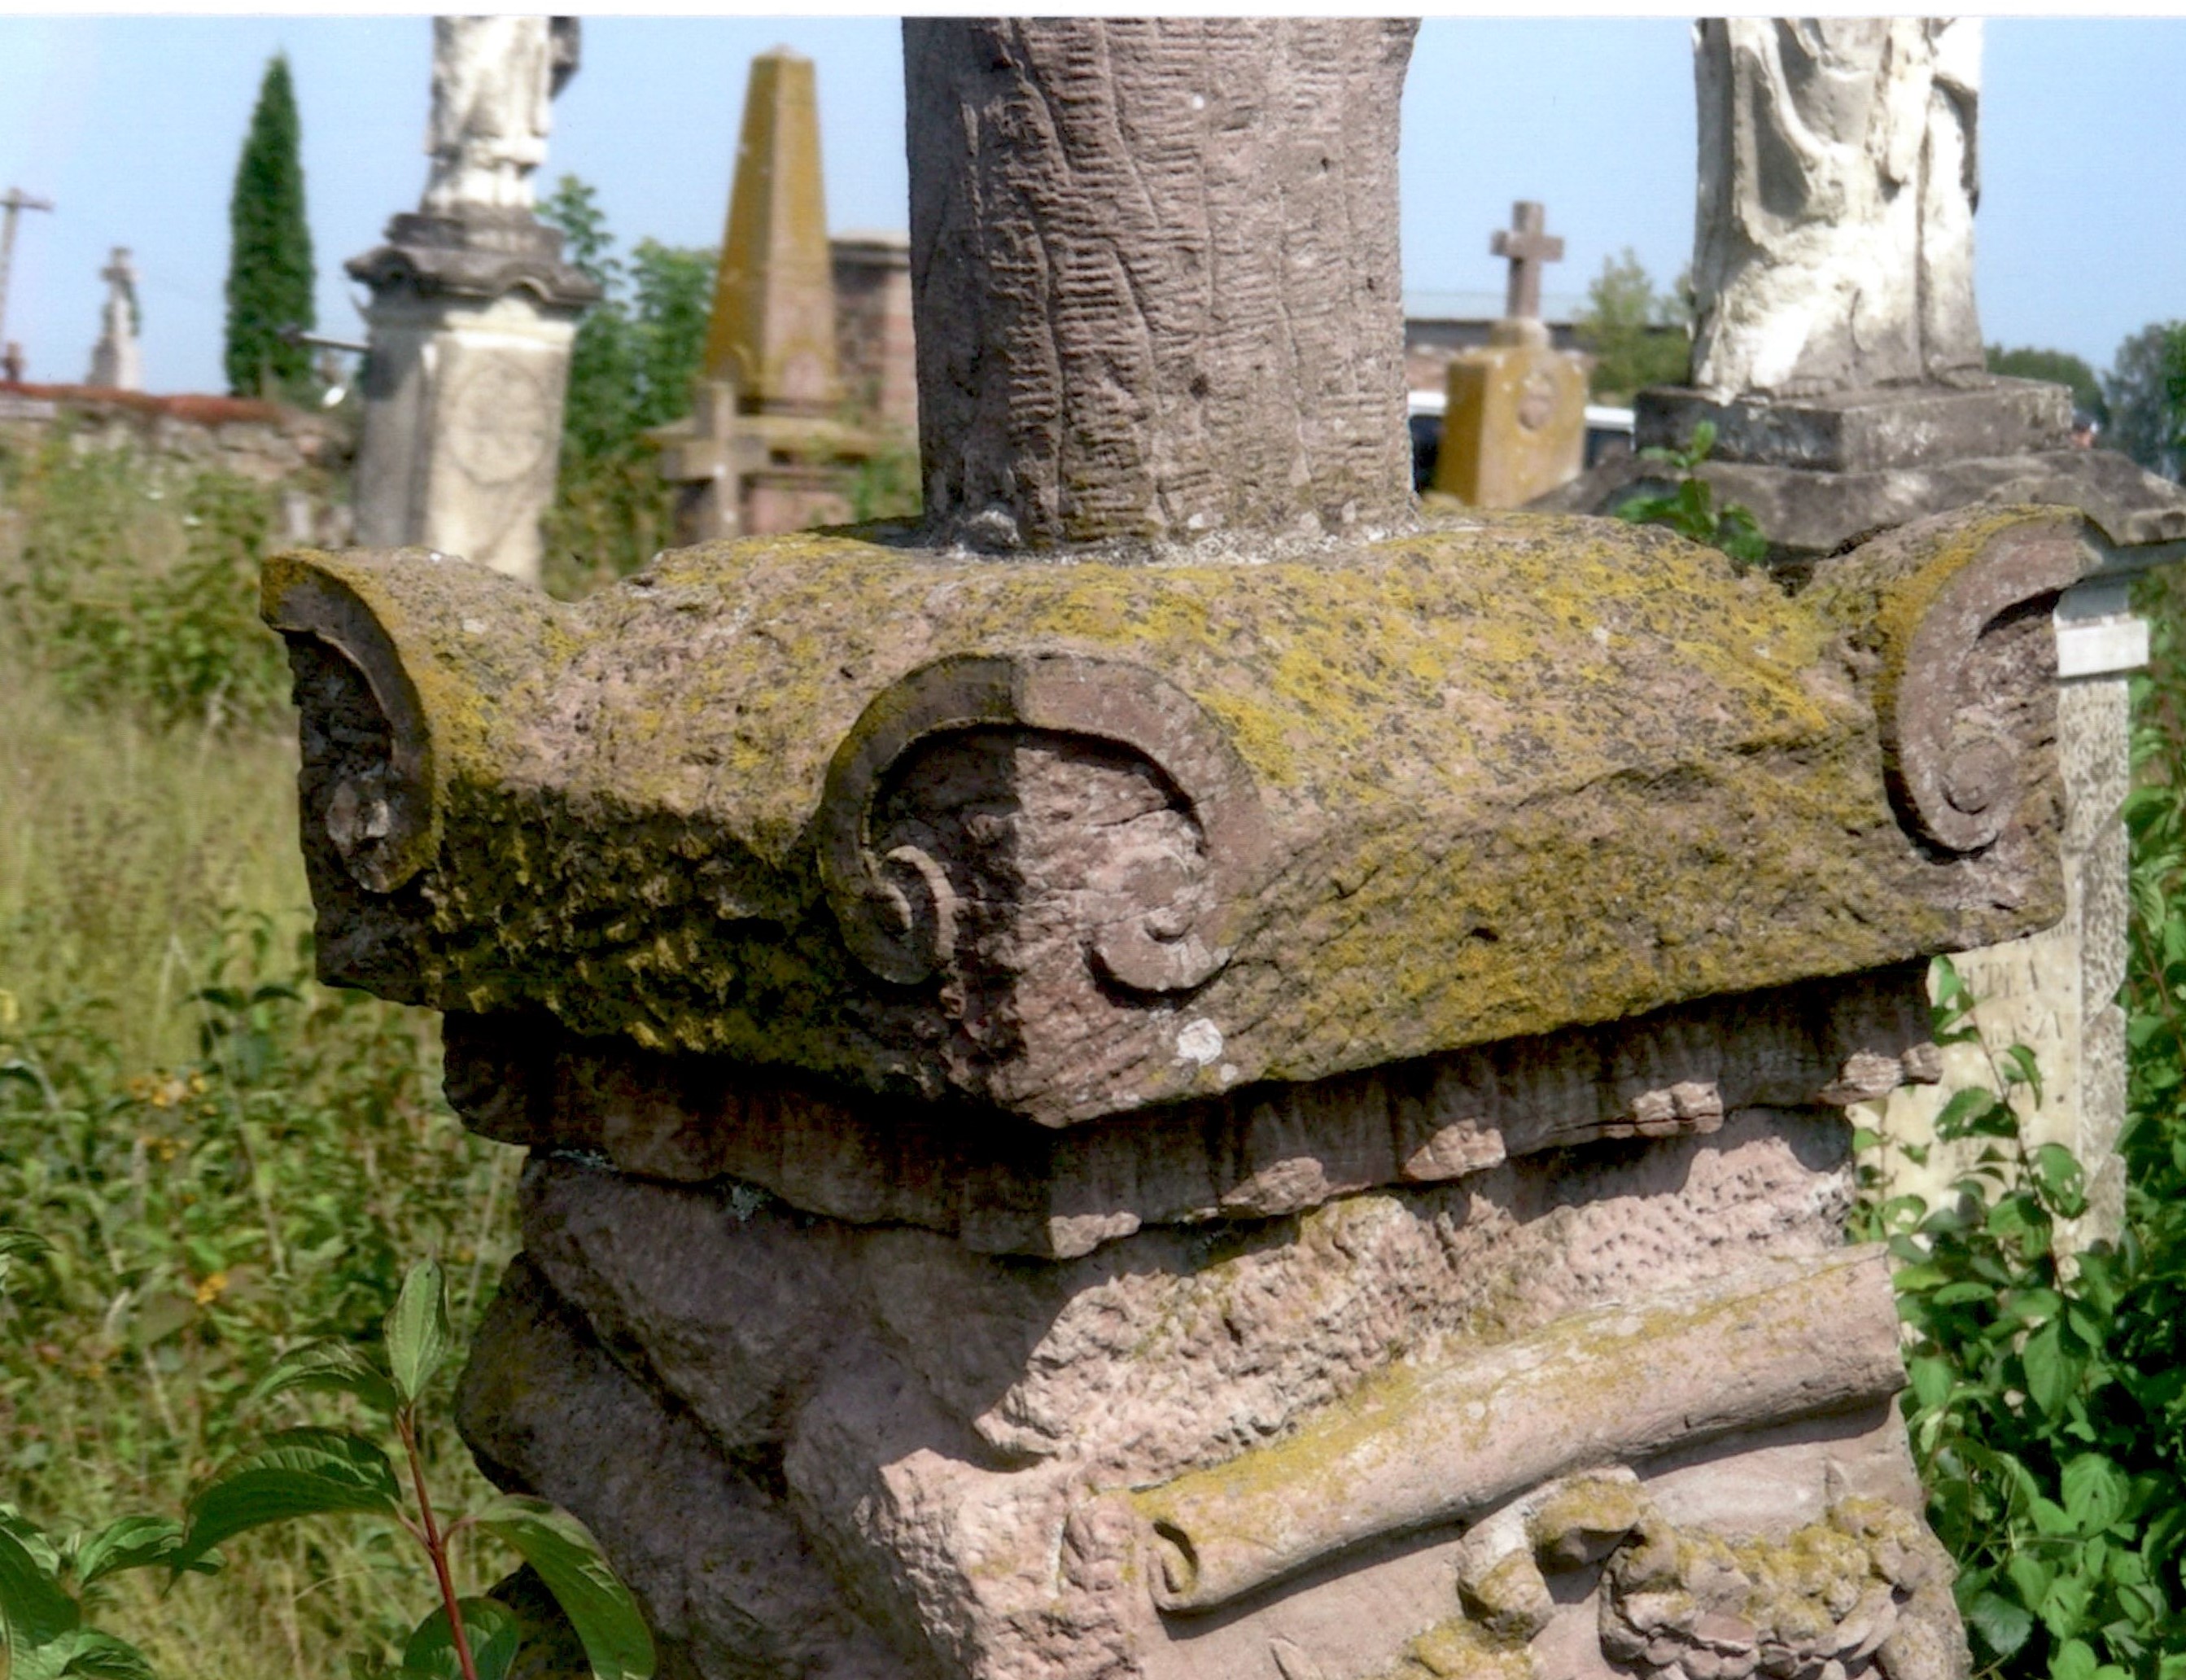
(471, 323)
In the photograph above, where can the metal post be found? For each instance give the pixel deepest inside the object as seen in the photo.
(16, 202)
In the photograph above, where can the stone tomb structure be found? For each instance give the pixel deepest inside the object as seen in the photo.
(1277, 1114)
(1513, 422)
(473, 312)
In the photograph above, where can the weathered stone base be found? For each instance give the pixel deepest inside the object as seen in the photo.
(820, 1448)
(1809, 513)
(1863, 431)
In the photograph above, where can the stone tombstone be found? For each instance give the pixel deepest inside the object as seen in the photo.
(1839, 356)
(1514, 423)
(766, 448)
(472, 312)
(1117, 1086)
(117, 360)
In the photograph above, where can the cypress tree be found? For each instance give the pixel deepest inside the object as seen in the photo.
(269, 263)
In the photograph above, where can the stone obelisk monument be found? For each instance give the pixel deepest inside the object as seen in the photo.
(764, 449)
(473, 312)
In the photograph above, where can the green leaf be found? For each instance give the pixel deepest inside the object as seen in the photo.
(2094, 1492)
(2003, 1626)
(599, 1607)
(417, 1338)
(492, 1628)
(327, 1363)
(296, 1473)
(2073, 1661)
(2050, 1377)
(34, 1610)
(132, 1542)
(97, 1656)
(1931, 1381)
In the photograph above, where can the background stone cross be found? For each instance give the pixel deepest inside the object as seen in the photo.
(1528, 248)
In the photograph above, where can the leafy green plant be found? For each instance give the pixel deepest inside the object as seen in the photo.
(307, 1470)
(1690, 509)
(269, 265)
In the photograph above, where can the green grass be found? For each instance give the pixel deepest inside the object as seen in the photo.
(225, 1156)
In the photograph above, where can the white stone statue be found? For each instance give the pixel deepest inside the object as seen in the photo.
(493, 83)
(1838, 178)
(117, 360)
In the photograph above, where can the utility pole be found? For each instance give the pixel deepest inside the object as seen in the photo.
(13, 206)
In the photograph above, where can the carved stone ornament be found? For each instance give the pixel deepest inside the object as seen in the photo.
(367, 758)
(1169, 881)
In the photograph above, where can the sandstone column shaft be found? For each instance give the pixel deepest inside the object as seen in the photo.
(1158, 291)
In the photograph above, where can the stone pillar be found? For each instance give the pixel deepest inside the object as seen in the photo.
(1278, 1114)
(2056, 992)
(117, 360)
(473, 315)
(1217, 200)
(765, 449)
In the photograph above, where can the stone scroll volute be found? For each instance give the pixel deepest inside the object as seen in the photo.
(1965, 679)
(1147, 822)
(366, 779)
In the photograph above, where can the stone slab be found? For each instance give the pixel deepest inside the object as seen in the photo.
(1808, 514)
(1864, 431)
(1067, 840)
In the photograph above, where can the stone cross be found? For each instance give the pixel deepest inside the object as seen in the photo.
(1529, 248)
(117, 361)
(1051, 1157)
(12, 205)
(763, 450)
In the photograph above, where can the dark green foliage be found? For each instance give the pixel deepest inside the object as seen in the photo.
(269, 262)
(1636, 336)
(2058, 366)
(2145, 393)
(1690, 509)
(637, 353)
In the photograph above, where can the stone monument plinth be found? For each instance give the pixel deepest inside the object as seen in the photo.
(473, 315)
(1178, 1073)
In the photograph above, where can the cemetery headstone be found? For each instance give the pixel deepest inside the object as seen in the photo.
(1095, 1119)
(472, 312)
(1838, 355)
(1514, 421)
(766, 448)
(117, 360)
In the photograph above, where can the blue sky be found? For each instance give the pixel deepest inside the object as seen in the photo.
(132, 126)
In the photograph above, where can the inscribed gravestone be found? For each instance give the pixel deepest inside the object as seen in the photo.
(1053, 1155)
(472, 312)
(1513, 422)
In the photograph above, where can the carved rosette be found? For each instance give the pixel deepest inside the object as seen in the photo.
(1154, 885)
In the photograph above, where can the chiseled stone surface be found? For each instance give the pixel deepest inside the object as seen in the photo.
(1217, 1102)
(851, 809)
